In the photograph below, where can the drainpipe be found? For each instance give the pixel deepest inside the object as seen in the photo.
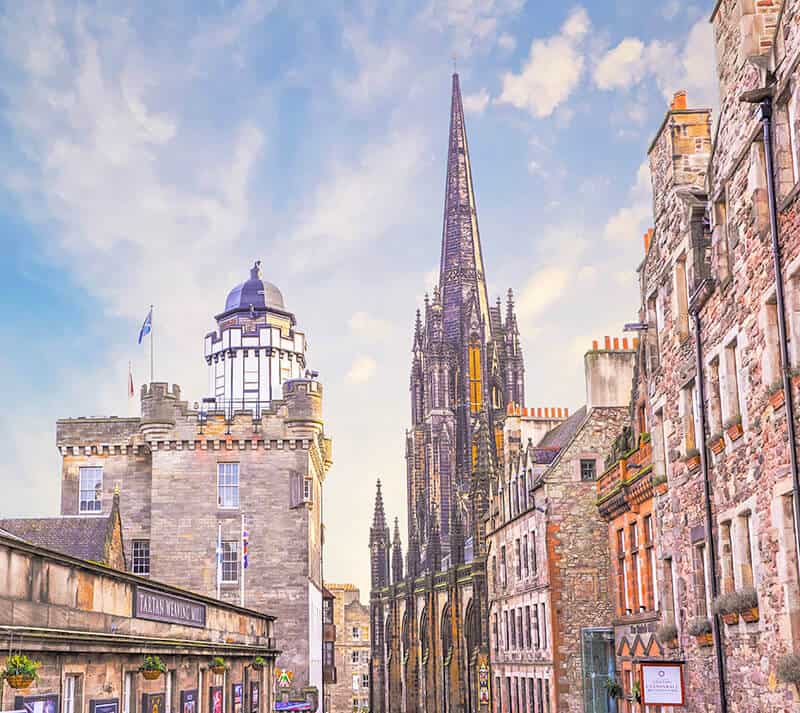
(763, 97)
(698, 299)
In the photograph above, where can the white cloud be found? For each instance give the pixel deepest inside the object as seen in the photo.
(670, 9)
(476, 103)
(506, 42)
(361, 370)
(473, 23)
(369, 328)
(690, 67)
(541, 290)
(552, 70)
(630, 222)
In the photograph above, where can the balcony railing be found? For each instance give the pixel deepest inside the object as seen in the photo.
(626, 471)
(211, 406)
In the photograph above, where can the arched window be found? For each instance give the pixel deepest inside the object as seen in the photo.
(447, 634)
(404, 638)
(423, 636)
(388, 637)
(475, 384)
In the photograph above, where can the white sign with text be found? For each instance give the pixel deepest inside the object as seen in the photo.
(662, 684)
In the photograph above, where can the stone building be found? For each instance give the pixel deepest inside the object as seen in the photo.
(720, 286)
(350, 693)
(194, 478)
(429, 623)
(549, 602)
(91, 626)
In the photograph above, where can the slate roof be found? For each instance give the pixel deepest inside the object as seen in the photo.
(562, 434)
(81, 537)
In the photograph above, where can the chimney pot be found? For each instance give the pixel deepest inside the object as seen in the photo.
(539, 412)
(679, 101)
(607, 343)
(566, 412)
(594, 345)
(625, 343)
(616, 344)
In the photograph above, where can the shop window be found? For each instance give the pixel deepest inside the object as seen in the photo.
(91, 489)
(140, 559)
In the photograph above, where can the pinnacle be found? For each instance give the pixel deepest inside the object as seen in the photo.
(379, 517)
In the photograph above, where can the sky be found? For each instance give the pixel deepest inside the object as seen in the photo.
(152, 151)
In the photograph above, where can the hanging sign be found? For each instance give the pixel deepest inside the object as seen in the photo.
(662, 684)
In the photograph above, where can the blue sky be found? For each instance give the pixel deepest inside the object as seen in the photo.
(151, 155)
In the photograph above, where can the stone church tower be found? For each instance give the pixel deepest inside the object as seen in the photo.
(429, 629)
(466, 365)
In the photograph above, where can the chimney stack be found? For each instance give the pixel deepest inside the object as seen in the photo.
(678, 101)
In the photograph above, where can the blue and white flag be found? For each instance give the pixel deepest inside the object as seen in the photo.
(245, 549)
(147, 325)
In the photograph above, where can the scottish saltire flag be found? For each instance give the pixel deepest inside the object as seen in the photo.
(147, 325)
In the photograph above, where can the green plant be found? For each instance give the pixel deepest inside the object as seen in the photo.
(788, 669)
(259, 662)
(20, 665)
(644, 437)
(734, 421)
(667, 632)
(725, 604)
(744, 599)
(153, 663)
(218, 662)
(613, 688)
(699, 627)
(636, 691)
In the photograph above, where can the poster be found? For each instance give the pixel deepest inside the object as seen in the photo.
(662, 684)
(110, 705)
(237, 690)
(37, 704)
(214, 699)
(255, 693)
(189, 701)
(153, 702)
(483, 680)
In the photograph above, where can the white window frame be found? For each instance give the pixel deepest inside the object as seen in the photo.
(356, 682)
(230, 547)
(98, 490)
(226, 471)
(356, 633)
(308, 490)
(134, 570)
(70, 692)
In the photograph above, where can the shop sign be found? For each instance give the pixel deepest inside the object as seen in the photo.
(662, 684)
(158, 606)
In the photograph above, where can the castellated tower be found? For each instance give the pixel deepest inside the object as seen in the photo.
(255, 450)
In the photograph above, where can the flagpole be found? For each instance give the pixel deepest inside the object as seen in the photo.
(219, 557)
(241, 597)
(152, 377)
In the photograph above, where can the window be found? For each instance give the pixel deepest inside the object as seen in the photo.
(308, 489)
(720, 244)
(520, 629)
(701, 605)
(636, 569)
(230, 561)
(544, 627)
(651, 561)
(513, 620)
(654, 328)
(690, 441)
(495, 581)
(770, 356)
(669, 587)
(534, 563)
(518, 550)
(72, 693)
(356, 684)
(547, 695)
(622, 574)
(525, 560)
(506, 639)
(681, 298)
(745, 558)
(730, 385)
(365, 680)
(475, 388)
(714, 398)
(524, 490)
(91, 489)
(228, 485)
(726, 556)
(354, 656)
(588, 469)
(537, 641)
(659, 441)
(328, 654)
(495, 633)
(327, 611)
(529, 639)
(140, 559)
(365, 656)
(356, 633)
(499, 693)
(539, 693)
(503, 570)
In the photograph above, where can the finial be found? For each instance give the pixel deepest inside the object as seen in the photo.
(116, 488)
(255, 271)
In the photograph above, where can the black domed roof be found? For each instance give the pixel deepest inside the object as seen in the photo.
(256, 292)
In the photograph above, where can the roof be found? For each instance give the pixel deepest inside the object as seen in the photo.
(80, 537)
(255, 292)
(562, 434)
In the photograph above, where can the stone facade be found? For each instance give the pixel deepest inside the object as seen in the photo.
(718, 437)
(187, 475)
(549, 602)
(79, 620)
(350, 693)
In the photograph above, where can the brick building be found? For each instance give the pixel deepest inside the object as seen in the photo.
(253, 456)
(720, 288)
(90, 627)
(549, 604)
(350, 693)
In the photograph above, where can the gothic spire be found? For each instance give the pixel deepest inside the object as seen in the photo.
(379, 516)
(461, 267)
(397, 555)
(379, 544)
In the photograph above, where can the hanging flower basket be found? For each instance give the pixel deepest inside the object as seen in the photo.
(19, 671)
(152, 667)
(701, 630)
(151, 675)
(217, 665)
(258, 663)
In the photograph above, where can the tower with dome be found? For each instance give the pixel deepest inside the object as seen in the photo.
(252, 450)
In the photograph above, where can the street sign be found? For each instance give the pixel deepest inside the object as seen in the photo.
(662, 684)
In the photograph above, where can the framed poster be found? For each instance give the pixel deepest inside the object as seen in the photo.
(153, 702)
(189, 701)
(237, 691)
(255, 695)
(110, 705)
(37, 704)
(662, 683)
(215, 699)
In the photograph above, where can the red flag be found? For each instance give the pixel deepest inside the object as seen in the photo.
(130, 381)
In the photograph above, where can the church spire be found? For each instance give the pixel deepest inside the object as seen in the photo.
(379, 543)
(461, 269)
(397, 555)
